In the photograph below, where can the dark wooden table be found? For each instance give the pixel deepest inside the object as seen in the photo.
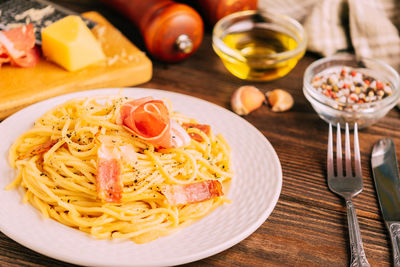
(308, 225)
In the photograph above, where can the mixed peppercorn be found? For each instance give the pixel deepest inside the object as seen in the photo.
(349, 86)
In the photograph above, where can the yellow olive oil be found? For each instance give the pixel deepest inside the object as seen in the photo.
(257, 54)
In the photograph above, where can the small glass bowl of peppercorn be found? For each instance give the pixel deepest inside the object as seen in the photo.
(344, 88)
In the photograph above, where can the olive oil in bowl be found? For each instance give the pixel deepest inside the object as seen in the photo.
(257, 48)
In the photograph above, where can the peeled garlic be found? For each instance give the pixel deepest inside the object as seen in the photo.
(247, 99)
(280, 100)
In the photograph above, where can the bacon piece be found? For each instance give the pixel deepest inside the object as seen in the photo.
(192, 193)
(30, 59)
(149, 120)
(4, 57)
(18, 46)
(179, 136)
(128, 153)
(128, 108)
(40, 149)
(22, 38)
(202, 127)
(108, 179)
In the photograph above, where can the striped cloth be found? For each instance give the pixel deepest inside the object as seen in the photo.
(369, 27)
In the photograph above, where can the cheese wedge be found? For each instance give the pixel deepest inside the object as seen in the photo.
(69, 43)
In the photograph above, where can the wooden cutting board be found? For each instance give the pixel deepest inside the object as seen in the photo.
(125, 65)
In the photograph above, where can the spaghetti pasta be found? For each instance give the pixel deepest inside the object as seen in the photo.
(56, 164)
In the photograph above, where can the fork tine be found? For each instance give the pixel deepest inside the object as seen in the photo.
(339, 152)
(357, 158)
(330, 153)
(348, 152)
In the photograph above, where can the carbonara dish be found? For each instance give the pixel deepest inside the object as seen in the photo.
(117, 167)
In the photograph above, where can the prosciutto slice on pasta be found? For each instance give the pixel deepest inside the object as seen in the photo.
(40, 149)
(108, 179)
(202, 127)
(192, 193)
(149, 119)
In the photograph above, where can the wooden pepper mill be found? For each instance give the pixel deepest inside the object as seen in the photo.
(171, 31)
(214, 10)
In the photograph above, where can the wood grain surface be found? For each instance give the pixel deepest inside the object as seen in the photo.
(308, 225)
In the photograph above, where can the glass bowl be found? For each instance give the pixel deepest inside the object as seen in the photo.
(258, 45)
(364, 114)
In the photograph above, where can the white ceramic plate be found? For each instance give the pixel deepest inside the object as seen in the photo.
(254, 192)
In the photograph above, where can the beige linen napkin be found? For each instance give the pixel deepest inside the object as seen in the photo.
(369, 27)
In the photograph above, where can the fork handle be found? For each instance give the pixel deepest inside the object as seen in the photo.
(394, 231)
(358, 257)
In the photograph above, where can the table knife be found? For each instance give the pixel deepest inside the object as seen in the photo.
(387, 184)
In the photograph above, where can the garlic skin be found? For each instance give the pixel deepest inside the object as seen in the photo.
(247, 99)
(280, 100)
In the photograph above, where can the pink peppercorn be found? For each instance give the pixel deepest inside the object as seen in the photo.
(350, 86)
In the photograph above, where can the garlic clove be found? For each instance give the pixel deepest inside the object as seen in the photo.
(246, 99)
(280, 100)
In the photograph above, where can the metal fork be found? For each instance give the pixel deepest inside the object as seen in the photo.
(348, 186)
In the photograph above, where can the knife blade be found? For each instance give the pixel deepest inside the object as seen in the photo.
(387, 184)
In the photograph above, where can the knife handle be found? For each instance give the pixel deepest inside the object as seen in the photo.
(394, 231)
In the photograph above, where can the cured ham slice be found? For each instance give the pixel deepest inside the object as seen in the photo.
(40, 149)
(202, 127)
(4, 57)
(149, 120)
(30, 59)
(108, 179)
(18, 47)
(178, 134)
(192, 193)
(128, 154)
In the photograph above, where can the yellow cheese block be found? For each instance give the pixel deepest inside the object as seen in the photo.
(69, 43)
